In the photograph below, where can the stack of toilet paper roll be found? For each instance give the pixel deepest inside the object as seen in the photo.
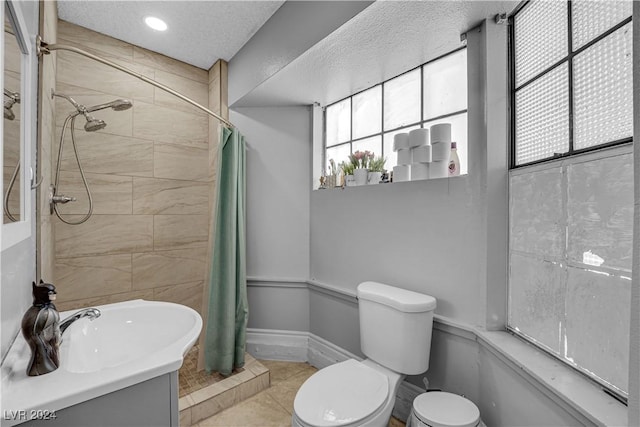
(402, 172)
(414, 155)
(420, 154)
(441, 149)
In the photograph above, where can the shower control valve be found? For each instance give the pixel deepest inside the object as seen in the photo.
(61, 198)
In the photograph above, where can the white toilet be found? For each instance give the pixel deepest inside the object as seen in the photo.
(395, 335)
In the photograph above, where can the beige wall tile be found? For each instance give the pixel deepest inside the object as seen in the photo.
(109, 154)
(180, 162)
(108, 299)
(93, 41)
(77, 70)
(162, 268)
(179, 231)
(87, 277)
(224, 93)
(111, 194)
(214, 88)
(164, 63)
(118, 122)
(191, 88)
(168, 196)
(104, 234)
(189, 294)
(164, 124)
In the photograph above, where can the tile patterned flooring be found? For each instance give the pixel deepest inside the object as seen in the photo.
(190, 379)
(273, 406)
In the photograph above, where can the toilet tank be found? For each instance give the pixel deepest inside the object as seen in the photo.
(395, 327)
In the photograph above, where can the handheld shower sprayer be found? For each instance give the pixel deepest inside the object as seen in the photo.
(91, 125)
(14, 98)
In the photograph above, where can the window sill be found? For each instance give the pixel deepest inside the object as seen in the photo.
(442, 179)
(570, 389)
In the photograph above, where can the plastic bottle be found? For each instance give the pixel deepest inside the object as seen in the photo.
(454, 161)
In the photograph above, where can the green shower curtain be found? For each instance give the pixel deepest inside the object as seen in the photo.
(225, 333)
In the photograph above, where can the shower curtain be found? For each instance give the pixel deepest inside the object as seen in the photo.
(226, 325)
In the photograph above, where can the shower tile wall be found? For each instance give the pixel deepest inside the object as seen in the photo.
(149, 172)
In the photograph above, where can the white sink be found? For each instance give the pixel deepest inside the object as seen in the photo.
(129, 343)
(126, 332)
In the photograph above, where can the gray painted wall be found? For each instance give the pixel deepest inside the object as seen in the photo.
(278, 187)
(427, 236)
(290, 32)
(18, 265)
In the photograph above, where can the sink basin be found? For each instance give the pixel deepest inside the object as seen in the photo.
(123, 334)
(130, 343)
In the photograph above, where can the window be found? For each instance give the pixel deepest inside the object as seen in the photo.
(571, 221)
(571, 78)
(433, 93)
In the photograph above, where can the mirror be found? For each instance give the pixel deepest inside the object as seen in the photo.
(12, 191)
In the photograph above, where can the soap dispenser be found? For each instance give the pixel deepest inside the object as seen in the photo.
(41, 330)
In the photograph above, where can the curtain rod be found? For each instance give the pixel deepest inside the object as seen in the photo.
(43, 48)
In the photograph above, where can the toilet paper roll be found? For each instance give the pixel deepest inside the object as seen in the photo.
(400, 141)
(418, 137)
(439, 169)
(440, 151)
(419, 171)
(421, 154)
(404, 156)
(441, 133)
(401, 173)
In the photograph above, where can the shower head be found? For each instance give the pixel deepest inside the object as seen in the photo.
(117, 105)
(93, 124)
(14, 97)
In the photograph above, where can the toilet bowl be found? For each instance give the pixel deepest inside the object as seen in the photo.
(395, 335)
(442, 409)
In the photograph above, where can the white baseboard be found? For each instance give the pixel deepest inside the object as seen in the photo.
(271, 344)
(298, 346)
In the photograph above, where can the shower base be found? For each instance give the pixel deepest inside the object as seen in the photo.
(203, 395)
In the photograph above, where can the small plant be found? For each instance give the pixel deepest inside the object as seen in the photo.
(347, 167)
(361, 159)
(333, 169)
(376, 164)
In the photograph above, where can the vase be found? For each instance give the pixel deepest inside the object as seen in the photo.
(331, 181)
(350, 180)
(375, 177)
(361, 175)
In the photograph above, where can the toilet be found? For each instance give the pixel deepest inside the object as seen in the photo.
(395, 336)
(442, 409)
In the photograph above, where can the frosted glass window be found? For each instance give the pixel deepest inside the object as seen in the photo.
(458, 134)
(603, 90)
(392, 156)
(373, 144)
(445, 85)
(541, 37)
(338, 121)
(542, 117)
(593, 18)
(402, 100)
(367, 112)
(339, 154)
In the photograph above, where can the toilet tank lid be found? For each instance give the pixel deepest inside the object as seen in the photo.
(400, 299)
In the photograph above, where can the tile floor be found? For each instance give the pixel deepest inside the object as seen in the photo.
(273, 406)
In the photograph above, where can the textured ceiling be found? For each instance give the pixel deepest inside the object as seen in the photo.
(384, 40)
(199, 33)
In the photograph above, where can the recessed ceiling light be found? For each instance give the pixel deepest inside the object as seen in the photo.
(155, 23)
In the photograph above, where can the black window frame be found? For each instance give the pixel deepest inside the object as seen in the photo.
(569, 60)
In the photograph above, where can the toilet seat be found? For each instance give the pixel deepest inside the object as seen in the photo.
(341, 394)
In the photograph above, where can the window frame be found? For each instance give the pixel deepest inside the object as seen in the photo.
(384, 131)
(569, 60)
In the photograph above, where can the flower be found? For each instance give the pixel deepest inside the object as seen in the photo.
(361, 159)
